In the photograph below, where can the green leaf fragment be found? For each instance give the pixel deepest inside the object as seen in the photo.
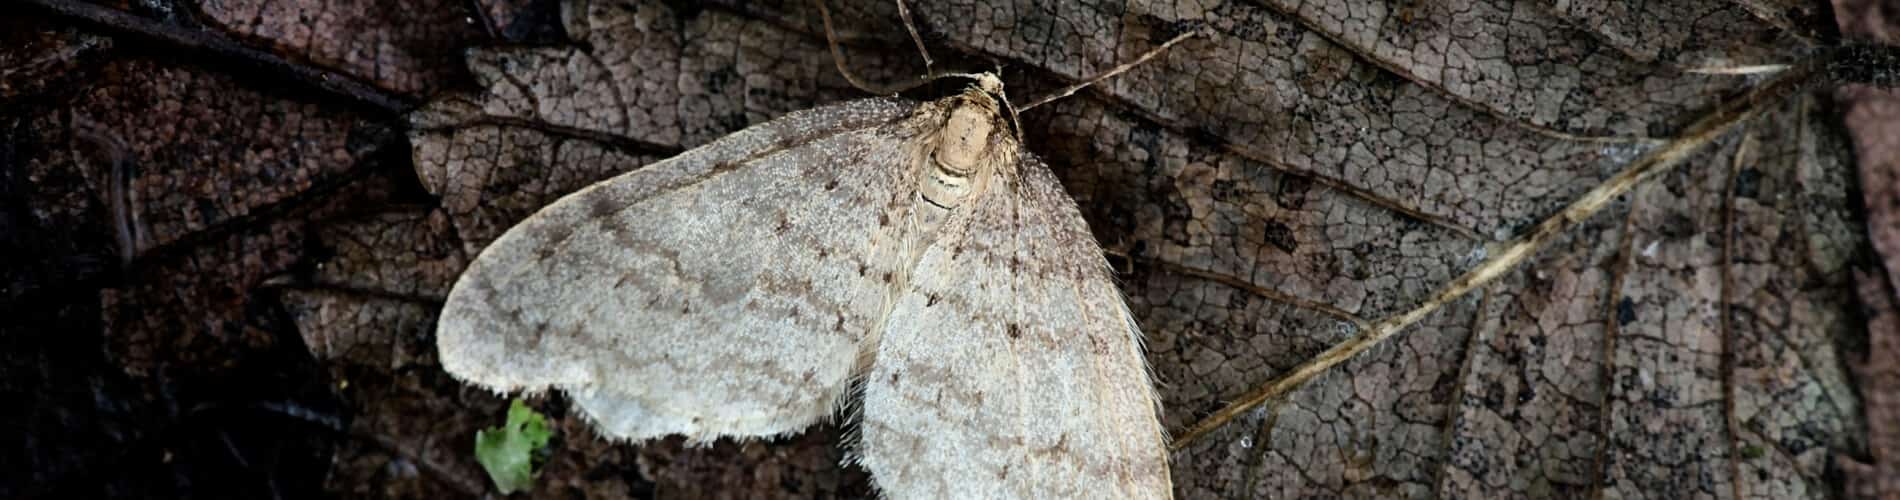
(508, 452)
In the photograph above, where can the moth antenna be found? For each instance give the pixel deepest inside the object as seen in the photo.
(1015, 118)
(903, 11)
(837, 57)
(1119, 69)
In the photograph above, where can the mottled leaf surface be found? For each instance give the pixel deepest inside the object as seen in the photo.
(1872, 119)
(1683, 343)
(1264, 189)
(148, 203)
(408, 48)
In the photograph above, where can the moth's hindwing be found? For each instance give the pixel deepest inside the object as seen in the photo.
(1012, 368)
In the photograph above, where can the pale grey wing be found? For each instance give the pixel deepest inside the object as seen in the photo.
(1011, 367)
(726, 291)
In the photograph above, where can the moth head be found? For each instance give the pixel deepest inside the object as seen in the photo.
(973, 144)
(965, 143)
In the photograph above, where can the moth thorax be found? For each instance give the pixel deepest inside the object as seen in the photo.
(961, 157)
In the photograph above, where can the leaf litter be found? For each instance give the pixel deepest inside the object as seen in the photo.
(1341, 182)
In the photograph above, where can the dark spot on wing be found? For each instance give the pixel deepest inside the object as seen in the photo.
(540, 332)
(863, 269)
(832, 184)
(479, 283)
(625, 278)
(930, 299)
(601, 206)
(549, 236)
(622, 234)
(1015, 331)
(893, 378)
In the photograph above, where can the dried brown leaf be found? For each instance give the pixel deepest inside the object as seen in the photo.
(1268, 190)
(1680, 344)
(1873, 121)
(38, 57)
(1229, 207)
(408, 48)
(147, 203)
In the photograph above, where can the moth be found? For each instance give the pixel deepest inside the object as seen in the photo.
(906, 260)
